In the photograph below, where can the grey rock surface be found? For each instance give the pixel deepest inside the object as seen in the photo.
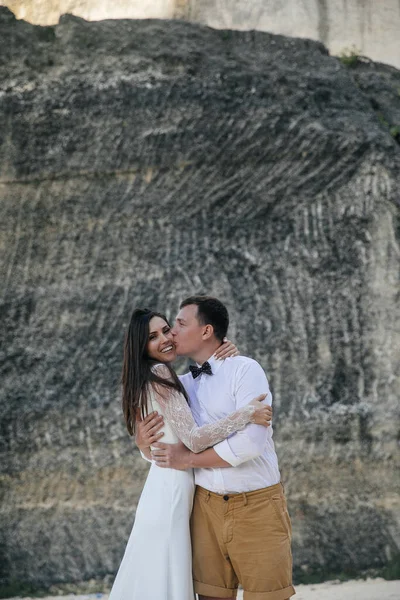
(141, 161)
(371, 27)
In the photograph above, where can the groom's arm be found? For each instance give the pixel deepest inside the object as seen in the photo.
(177, 456)
(208, 459)
(249, 443)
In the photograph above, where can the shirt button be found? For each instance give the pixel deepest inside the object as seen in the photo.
(226, 498)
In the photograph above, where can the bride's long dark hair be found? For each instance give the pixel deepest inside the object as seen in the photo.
(136, 370)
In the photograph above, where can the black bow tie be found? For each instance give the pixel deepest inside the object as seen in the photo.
(205, 368)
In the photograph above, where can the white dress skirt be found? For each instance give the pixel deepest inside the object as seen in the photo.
(157, 564)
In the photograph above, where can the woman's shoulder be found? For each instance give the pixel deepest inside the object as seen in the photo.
(158, 366)
(161, 370)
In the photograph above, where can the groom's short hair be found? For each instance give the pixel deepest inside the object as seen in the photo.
(210, 311)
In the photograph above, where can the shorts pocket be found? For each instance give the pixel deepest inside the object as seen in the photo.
(280, 509)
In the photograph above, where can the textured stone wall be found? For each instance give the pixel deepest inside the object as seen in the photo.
(368, 26)
(141, 162)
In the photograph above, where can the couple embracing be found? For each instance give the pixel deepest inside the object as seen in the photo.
(212, 513)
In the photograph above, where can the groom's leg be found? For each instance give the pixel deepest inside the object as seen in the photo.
(213, 574)
(260, 550)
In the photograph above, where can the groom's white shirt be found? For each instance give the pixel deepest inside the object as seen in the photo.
(251, 452)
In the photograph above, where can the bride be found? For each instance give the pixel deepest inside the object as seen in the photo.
(157, 564)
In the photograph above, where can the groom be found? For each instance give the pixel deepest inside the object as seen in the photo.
(240, 526)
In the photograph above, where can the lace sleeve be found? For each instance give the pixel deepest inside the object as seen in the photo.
(179, 416)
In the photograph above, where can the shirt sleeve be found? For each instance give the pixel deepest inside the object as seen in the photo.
(145, 457)
(251, 381)
(180, 418)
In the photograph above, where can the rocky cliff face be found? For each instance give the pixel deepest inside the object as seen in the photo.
(143, 161)
(369, 26)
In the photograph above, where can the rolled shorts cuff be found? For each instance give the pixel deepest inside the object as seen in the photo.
(282, 594)
(204, 589)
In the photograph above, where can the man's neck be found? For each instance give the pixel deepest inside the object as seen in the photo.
(205, 353)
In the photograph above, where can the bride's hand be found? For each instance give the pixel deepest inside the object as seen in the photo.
(226, 350)
(263, 413)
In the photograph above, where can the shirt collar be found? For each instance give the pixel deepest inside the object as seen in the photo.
(214, 363)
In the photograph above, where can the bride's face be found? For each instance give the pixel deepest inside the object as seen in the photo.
(161, 345)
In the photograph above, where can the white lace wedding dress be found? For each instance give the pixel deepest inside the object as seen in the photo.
(157, 564)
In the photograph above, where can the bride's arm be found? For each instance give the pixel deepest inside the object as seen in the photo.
(197, 439)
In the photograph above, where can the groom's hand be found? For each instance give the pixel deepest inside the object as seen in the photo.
(148, 430)
(171, 456)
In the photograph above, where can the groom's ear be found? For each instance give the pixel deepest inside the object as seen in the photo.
(208, 332)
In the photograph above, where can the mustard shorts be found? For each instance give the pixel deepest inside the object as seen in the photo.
(242, 538)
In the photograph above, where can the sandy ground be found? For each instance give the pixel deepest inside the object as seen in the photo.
(371, 589)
